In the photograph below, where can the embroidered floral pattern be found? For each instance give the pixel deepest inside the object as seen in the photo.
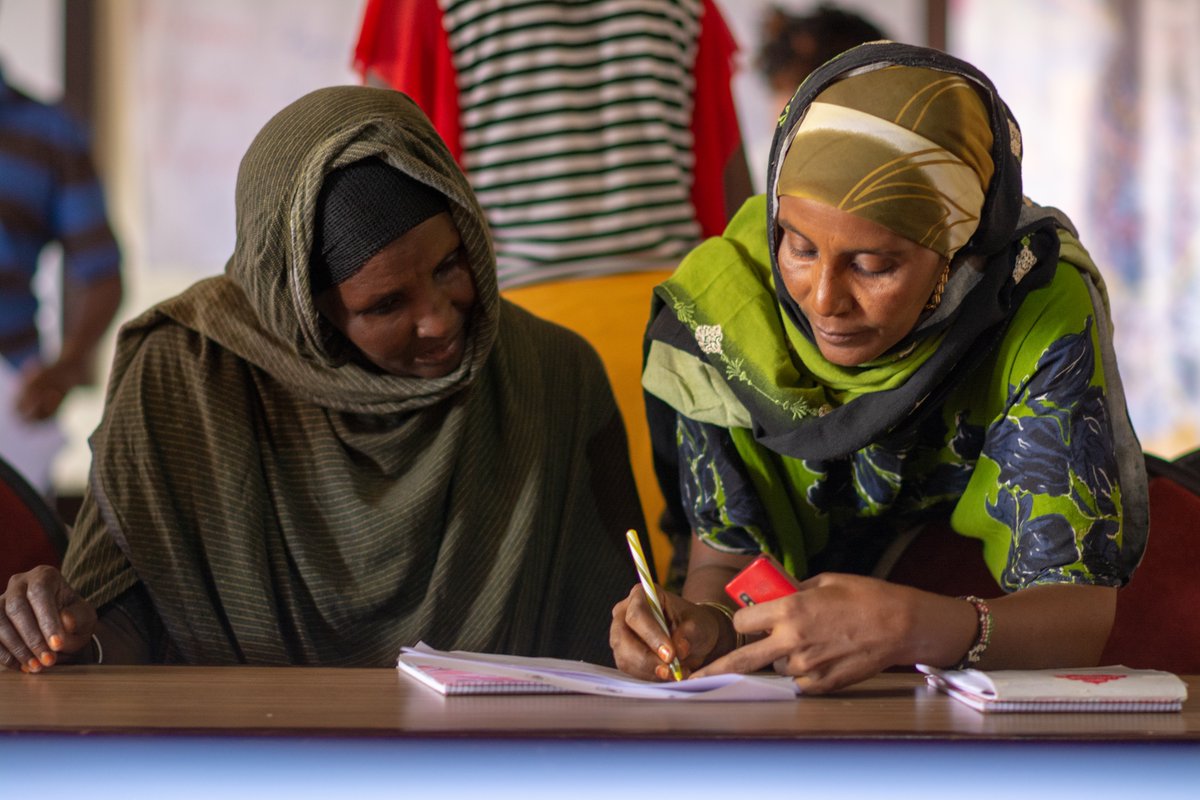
(798, 409)
(684, 311)
(735, 370)
(709, 338)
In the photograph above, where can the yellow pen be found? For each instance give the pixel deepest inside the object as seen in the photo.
(643, 571)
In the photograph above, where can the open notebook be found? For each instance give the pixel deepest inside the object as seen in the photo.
(458, 672)
(1085, 689)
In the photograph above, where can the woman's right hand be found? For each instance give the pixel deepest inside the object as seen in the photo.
(641, 649)
(41, 618)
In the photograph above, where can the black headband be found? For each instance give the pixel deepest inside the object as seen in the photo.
(362, 208)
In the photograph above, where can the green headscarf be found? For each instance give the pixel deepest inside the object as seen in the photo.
(283, 502)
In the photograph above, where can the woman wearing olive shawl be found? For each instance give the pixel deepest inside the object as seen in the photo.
(909, 342)
(263, 493)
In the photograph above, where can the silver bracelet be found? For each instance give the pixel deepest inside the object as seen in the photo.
(99, 649)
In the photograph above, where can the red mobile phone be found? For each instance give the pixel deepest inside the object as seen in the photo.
(765, 579)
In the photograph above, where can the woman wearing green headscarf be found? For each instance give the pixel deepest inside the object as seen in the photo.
(346, 444)
(911, 341)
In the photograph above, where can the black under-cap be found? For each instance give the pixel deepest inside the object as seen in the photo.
(362, 208)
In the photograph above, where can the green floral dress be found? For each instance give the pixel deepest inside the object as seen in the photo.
(1018, 452)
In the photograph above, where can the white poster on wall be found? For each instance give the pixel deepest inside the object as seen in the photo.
(31, 47)
(207, 77)
(1107, 93)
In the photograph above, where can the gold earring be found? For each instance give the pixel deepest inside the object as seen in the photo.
(935, 299)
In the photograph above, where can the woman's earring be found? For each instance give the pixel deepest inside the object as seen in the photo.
(935, 299)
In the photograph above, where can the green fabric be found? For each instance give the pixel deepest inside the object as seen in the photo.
(284, 504)
(933, 473)
(1000, 396)
(685, 381)
(725, 285)
(798, 529)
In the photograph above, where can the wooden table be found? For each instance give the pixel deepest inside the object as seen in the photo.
(383, 702)
(334, 727)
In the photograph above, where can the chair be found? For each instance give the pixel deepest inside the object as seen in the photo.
(30, 532)
(1155, 625)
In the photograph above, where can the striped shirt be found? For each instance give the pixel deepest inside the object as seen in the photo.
(575, 130)
(48, 192)
(575, 120)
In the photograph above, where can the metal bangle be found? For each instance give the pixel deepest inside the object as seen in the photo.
(739, 638)
(99, 649)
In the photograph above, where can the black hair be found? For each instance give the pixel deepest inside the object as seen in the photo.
(795, 45)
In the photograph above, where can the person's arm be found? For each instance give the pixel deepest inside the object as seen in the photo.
(709, 570)
(1050, 626)
(76, 218)
(699, 631)
(121, 638)
(700, 618)
(44, 622)
(88, 311)
(841, 629)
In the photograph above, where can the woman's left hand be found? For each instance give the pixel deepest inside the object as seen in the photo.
(834, 631)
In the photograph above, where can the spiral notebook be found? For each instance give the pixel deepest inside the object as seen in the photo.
(1088, 689)
(464, 673)
(449, 680)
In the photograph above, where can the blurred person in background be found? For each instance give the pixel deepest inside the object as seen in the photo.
(795, 45)
(49, 192)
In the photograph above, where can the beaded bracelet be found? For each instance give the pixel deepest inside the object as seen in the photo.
(739, 638)
(984, 635)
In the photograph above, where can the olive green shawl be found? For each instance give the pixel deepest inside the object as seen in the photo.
(283, 503)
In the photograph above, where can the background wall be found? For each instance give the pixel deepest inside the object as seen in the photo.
(31, 46)
(1107, 93)
(184, 87)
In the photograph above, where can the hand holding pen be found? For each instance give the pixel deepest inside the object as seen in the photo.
(643, 571)
(640, 644)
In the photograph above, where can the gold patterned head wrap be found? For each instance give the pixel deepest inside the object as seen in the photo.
(906, 147)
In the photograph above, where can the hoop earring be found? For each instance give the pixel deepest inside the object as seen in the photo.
(935, 299)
